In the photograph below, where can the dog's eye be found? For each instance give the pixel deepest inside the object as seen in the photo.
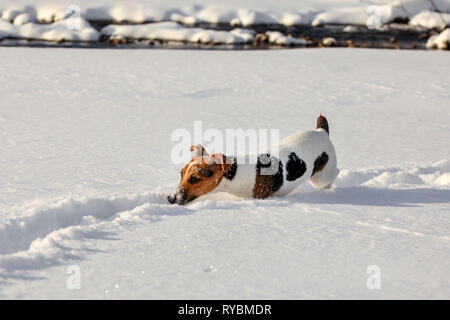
(193, 180)
(208, 173)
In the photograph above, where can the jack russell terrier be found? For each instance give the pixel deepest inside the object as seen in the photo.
(303, 155)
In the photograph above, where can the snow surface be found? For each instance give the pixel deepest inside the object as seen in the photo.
(86, 168)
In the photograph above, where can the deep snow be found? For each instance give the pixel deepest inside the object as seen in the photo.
(86, 167)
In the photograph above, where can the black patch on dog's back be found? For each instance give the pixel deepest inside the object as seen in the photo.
(295, 167)
(232, 170)
(320, 163)
(269, 176)
(264, 161)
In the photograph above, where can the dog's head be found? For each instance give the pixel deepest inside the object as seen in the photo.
(200, 175)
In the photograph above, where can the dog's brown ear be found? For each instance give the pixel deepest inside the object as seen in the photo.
(199, 151)
(222, 160)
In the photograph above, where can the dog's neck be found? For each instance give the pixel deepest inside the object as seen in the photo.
(226, 183)
(239, 179)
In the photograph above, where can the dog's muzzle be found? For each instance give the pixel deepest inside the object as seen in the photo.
(177, 197)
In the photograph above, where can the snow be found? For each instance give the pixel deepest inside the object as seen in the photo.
(172, 31)
(430, 20)
(329, 41)
(439, 41)
(23, 18)
(385, 12)
(276, 37)
(50, 20)
(243, 13)
(86, 168)
(68, 29)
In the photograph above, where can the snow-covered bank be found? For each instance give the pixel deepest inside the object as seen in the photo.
(439, 41)
(86, 166)
(379, 12)
(245, 13)
(169, 21)
(57, 31)
(430, 20)
(172, 31)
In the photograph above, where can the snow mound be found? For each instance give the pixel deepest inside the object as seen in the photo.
(439, 41)
(341, 16)
(35, 240)
(139, 12)
(385, 13)
(430, 20)
(434, 176)
(68, 29)
(172, 31)
(278, 38)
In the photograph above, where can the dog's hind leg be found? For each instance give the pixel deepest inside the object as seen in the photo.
(326, 173)
(325, 168)
(328, 186)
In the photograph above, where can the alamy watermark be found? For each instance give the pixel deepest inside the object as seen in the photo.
(374, 279)
(73, 17)
(73, 282)
(374, 19)
(249, 142)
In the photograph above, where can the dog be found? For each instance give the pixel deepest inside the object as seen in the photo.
(301, 156)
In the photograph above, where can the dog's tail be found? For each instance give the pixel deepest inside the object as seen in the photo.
(322, 123)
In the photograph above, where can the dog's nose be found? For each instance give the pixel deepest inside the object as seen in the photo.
(177, 197)
(171, 198)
